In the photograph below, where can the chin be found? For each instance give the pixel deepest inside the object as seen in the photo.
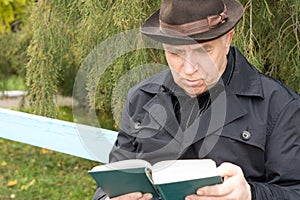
(195, 93)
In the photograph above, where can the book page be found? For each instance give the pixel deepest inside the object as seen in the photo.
(182, 170)
(124, 164)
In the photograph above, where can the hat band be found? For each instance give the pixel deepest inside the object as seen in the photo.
(196, 27)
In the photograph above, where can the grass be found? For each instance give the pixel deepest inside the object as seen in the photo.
(28, 172)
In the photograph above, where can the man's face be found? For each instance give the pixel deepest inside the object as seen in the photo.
(197, 67)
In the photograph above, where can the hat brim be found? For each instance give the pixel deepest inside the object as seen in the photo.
(151, 27)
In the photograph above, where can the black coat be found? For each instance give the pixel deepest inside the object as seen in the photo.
(254, 123)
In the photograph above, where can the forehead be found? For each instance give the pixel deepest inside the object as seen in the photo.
(202, 45)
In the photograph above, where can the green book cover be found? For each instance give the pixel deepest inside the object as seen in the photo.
(179, 190)
(167, 180)
(119, 182)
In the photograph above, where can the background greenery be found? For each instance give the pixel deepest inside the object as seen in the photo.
(54, 37)
(44, 42)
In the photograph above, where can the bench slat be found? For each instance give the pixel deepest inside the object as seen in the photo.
(79, 140)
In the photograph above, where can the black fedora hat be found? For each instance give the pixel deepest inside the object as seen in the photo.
(192, 21)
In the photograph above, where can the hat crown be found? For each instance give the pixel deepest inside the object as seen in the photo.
(178, 12)
(179, 22)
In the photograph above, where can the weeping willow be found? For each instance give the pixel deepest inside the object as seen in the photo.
(269, 36)
(65, 32)
(51, 52)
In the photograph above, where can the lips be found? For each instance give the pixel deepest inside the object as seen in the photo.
(191, 82)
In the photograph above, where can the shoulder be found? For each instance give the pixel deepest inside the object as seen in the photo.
(277, 89)
(282, 101)
(261, 93)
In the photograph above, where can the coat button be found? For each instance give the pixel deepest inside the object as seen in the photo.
(137, 125)
(246, 135)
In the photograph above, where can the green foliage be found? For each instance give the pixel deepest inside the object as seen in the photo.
(64, 34)
(51, 52)
(269, 36)
(13, 56)
(13, 83)
(13, 47)
(119, 16)
(12, 11)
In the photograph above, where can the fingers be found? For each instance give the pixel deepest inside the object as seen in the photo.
(130, 196)
(225, 170)
(146, 196)
(234, 186)
(134, 196)
(215, 190)
(196, 197)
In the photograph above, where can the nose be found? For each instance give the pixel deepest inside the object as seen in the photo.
(188, 67)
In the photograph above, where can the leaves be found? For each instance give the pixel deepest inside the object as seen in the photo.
(11, 10)
(28, 185)
(12, 183)
(3, 163)
(46, 151)
(268, 36)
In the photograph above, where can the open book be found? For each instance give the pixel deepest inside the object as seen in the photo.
(168, 180)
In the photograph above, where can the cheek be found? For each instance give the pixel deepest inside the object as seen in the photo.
(217, 64)
(207, 66)
(177, 78)
(174, 62)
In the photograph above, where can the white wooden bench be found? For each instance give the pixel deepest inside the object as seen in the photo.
(75, 139)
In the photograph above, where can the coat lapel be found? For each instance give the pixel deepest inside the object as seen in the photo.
(223, 111)
(161, 110)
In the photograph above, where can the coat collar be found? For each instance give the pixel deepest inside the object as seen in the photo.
(245, 80)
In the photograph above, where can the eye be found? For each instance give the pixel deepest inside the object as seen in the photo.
(209, 50)
(204, 50)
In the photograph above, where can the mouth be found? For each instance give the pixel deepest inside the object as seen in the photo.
(192, 82)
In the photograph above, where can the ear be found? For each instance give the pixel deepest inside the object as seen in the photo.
(229, 40)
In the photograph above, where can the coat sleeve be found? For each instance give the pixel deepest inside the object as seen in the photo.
(282, 157)
(99, 195)
(124, 147)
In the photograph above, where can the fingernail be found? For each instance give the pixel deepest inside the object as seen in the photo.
(148, 196)
(199, 192)
(138, 195)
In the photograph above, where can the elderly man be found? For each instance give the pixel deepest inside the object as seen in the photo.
(211, 103)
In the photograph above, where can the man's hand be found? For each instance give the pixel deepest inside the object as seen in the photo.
(234, 186)
(133, 196)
